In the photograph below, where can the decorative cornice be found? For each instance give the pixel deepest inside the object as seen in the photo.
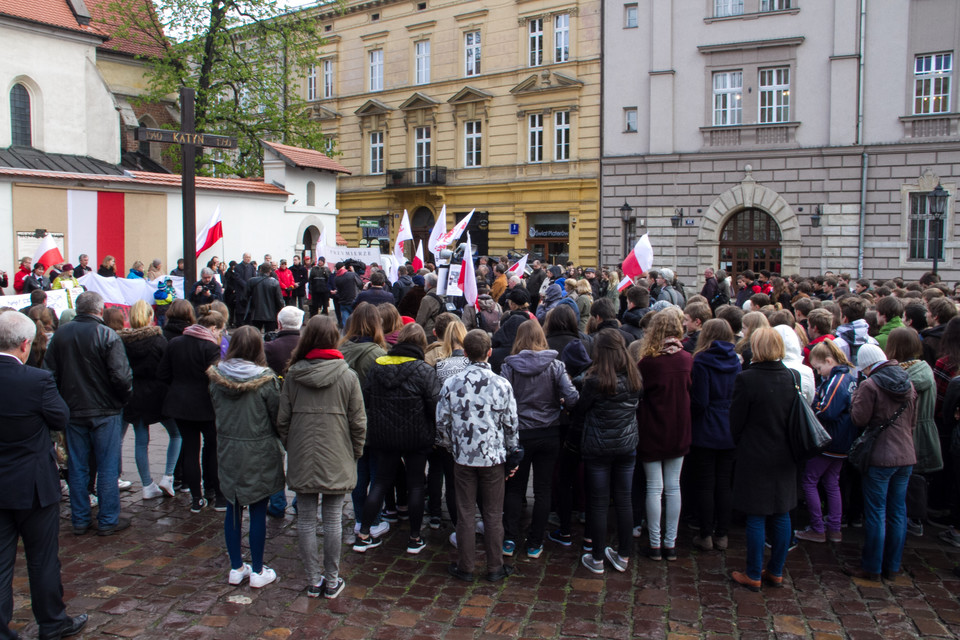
(751, 44)
(375, 35)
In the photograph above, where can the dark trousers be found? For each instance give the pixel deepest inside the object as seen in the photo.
(265, 325)
(606, 477)
(39, 528)
(489, 482)
(441, 468)
(387, 464)
(319, 301)
(541, 454)
(190, 456)
(569, 483)
(713, 488)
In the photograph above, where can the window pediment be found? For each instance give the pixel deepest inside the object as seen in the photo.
(546, 81)
(324, 113)
(372, 108)
(418, 101)
(469, 94)
(751, 44)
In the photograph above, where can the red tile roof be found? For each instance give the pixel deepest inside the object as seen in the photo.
(54, 13)
(145, 178)
(308, 158)
(144, 35)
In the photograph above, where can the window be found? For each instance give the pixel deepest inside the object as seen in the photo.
(723, 8)
(311, 194)
(630, 120)
(312, 82)
(472, 142)
(423, 61)
(421, 6)
(774, 5)
(327, 78)
(374, 17)
(561, 135)
(926, 232)
(535, 139)
(727, 98)
(536, 42)
(775, 95)
(422, 153)
(376, 152)
(376, 70)
(931, 92)
(472, 43)
(630, 18)
(20, 120)
(561, 38)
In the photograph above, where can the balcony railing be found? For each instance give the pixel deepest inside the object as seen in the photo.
(416, 177)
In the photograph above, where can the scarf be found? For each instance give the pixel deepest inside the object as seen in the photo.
(201, 333)
(241, 369)
(407, 350)
(323, 354)
(671, 346)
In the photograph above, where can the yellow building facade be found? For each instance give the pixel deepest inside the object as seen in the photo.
(468, 104)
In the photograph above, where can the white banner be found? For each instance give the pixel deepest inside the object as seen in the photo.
(127, 291)
(58, 300)
(366, 255)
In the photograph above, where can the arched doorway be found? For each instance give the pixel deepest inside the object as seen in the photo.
(421, 225)
(750, 239)
(310, 236)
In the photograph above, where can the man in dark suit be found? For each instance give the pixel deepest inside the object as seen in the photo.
(30, 500)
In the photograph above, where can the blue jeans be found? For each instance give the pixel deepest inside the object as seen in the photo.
(103, 438)
(777, 527)
(884, 517)
(141, 432)
(346, 308)
(233, 532)
(366, 473)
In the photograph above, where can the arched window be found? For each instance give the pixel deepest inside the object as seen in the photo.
(750, 240)
(311, 194)
(20, 116)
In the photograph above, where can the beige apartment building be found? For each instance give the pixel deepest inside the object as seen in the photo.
(791, 135)
(475, 105)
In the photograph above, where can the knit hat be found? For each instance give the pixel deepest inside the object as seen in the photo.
(419, 281)
(869, 355)
(660, 305)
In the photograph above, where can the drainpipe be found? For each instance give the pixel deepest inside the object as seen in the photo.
(865, 159)
(603, 28)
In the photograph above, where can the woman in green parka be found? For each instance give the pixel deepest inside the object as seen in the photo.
(323, 425)
(246, 396)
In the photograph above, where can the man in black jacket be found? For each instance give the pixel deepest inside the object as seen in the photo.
(348, 283)
(264, 299)
(90, 365)
(30, 500)
(534, 280)
(300, 274)
(205, 290)
(319, 287)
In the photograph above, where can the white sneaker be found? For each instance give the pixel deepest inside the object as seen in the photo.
(123, 485)
(262, 579)
(152, 491)
(93, 501)
(380, 529)
(479, 527)
(166, 485)
(453, 539)
(638, 532)
(239, 575)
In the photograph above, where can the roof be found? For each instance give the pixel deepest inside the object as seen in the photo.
(305, 158)
(144, 35)
(54, 13)
(30, 158)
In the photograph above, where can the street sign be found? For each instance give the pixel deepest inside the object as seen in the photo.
(514, 229)
(368, 224)
(185, 137)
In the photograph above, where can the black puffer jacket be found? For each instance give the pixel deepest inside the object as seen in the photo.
(400, 394)
(184, 367)
(145, 348)
(504, 337)
(609, 421)
(91, 368)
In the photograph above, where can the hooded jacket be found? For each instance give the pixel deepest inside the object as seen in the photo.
(246, 397)
(400, 394)
(553, 297)
(931, 337)
(832, 406)
(504, 337)
(893, 323)
(852, 336)
(145, 348)
(184, 367)
(711, 392)
(400, 287)
(875, 401)
(540, 382)
(631, 321)
(323, 426)
(609, 421)
(926, 439)
(793, 358)
(360, 354)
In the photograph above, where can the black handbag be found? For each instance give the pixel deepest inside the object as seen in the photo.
(807, 436)
(862, 448)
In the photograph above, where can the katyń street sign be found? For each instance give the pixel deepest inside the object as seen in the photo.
(184, 137)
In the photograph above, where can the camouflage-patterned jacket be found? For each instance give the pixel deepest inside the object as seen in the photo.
(477, 417)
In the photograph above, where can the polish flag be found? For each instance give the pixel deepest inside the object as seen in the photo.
(454, 234)
(639, 261)
(403, 233)
(211, 233)
(518, 268)
(47, 253)
(468, 276)
(626, 283)
(96, 226)
(418, 257)
(439, 228)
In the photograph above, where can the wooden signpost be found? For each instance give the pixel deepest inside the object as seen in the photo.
(189, 141)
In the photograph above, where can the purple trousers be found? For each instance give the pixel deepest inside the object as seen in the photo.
(826, 470)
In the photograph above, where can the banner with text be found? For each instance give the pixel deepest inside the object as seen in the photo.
(58, 300)
(366, 255)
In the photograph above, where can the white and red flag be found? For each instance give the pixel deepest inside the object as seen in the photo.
(47, 254)
(96, 225)
(439, 228)
(403, 233)
(211, 233)
(322, 243)
(640, 259)
(468, 276)
(518, 268)
(454, 234)
(626, 283)
(418, 257)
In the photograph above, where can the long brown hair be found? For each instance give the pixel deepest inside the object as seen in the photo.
(529, 337)
(365, 322)
(320, 333)
(246, 344)
(390, 319)
(610, 359)
(667, 323)
(903, 345)
(453, 337)
(181, 310)
(713, 330)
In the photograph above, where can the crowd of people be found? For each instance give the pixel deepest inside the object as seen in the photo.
(671, 407)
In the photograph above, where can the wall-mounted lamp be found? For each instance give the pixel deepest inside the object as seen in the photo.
(676, 217)
(626, 212)
(815, 216)
(573, 222)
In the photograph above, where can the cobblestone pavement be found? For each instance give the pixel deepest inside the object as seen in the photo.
(165, 577)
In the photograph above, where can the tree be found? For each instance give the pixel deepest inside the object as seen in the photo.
(246, 60)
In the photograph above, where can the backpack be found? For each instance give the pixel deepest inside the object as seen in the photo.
(719, 299)
(489, 321)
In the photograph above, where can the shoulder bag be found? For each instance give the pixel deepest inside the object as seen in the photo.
(807, 435)
(862, 448)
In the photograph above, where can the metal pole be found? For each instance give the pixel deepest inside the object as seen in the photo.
(188, 190)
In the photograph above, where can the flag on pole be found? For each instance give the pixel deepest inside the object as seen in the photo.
(439, 228)
(418, 257)
(212, 232)
(403, 233)
(518, 268)
(322, 243)
(640, 259)
(454, 234)
(625, 283)
(47, 254)
(468, 277)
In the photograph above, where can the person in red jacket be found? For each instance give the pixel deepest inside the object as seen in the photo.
(819, 328)
(287, 284)
(26, 267)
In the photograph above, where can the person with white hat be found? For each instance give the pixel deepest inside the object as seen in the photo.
(885, 401)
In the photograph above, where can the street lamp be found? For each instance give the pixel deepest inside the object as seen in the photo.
(626, 212)
(676, 217)
(626, 216)
(937, 203)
